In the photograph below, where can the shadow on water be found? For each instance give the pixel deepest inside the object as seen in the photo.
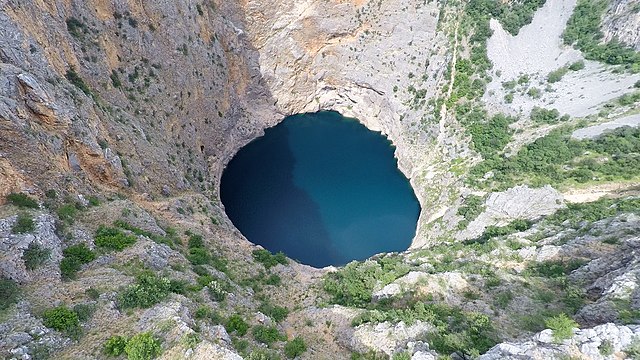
(262, 201)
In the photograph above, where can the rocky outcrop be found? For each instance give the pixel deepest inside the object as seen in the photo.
(622, 22)
(585, 344)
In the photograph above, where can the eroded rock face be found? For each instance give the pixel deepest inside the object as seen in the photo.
(622, 22)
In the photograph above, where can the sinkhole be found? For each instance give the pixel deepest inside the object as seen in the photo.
(321, 188)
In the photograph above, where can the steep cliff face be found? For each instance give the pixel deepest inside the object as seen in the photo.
(622, 22)
(154, 96)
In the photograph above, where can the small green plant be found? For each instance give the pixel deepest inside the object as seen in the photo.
(268, 259)
(578, 65)
(562, 327)
(74, 257)
(191, 340)
(24, 224)
(267, 334)
(148, 290)
(92, 293)
(22, 200)
(273, 279)
(236, 323)
(142, 346)
(606, 348)
(61, 318)
(9, 293)
(84, 311)
(113, 238)
(67, 213)
(557, 75)
(401, 356)
(115, 345)
(277, 313)
(295, 347)
(633, 349)
(35, 256)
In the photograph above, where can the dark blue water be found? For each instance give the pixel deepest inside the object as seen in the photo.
(321, 188)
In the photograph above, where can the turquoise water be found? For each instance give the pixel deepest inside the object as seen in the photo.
(321, 188)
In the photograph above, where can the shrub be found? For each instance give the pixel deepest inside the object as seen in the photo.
(24, 224)
(148, 290)
(277, 313)
(74, 257)
(35, 255)
(401, 356)
(216, 291)
(273, 279)
(534, 93)
(178, 286)
(142, 346)
(9, 293)
(544, 116)
(268, 259)
(67, 213)
(236, 323)
(205, 312)
(84, 311)
(78, 82)
(199, 256)
(633, 349)
(92, 293)
(606, 348)
(22, 200)
(60, 318)
(113, 238)
(578, 65)
(267, 335)
(562, 327)
(295, 347)
(557, 75)
(195, 241)
(115, 345)
(51, 194)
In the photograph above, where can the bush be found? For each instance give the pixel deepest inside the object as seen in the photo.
(277, 313)
(195, 241)
(84, 311)
(205, 312)
(633, 349)
(74, 257)
(273, 279)
(295, 347)
(113, 238)
(35, 255)
(9, 293)
(557, 75)
(24, 224)
(562, 327)
(236, 323)
(142, 346)
(578, 65)
(67, 213)
(269, 260)
(199, 256)
(267, 335)
(61, 318)
(544, 116)
(22, 200)
(148, 290)
(115, 345)
(92, 293)
(606, 348)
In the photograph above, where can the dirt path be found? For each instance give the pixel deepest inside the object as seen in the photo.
(593, 193)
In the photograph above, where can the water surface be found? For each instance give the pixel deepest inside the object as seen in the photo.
(321, 188)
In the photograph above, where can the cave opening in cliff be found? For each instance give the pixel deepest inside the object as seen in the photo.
(321, 188)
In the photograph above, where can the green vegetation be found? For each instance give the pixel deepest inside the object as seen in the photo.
(9, 293)
(489, 134)
(633, 350)
(267, 334)
(554, 268)
(512, 16)
(557, 75)
(61, 318)
(545, 116)
(268, 259)
(115, 345)
(35, 256)
(562, 327)
(277, 313)
(113, 238)
(84, 311)
(170, 239)
(148, 290)
(456, 330)
(74, 257)
(200, 255)
(472, 206)
(583, 31)
(22, 200)
(78, 82)
(493, 231)
(606, 348)
(142, 346)
(67, 213)
(236, 324)
(557, 158)
(24, 224)
(295, 347)
(594, 211)
(353, 284)
(76, 27)
(578, 65)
